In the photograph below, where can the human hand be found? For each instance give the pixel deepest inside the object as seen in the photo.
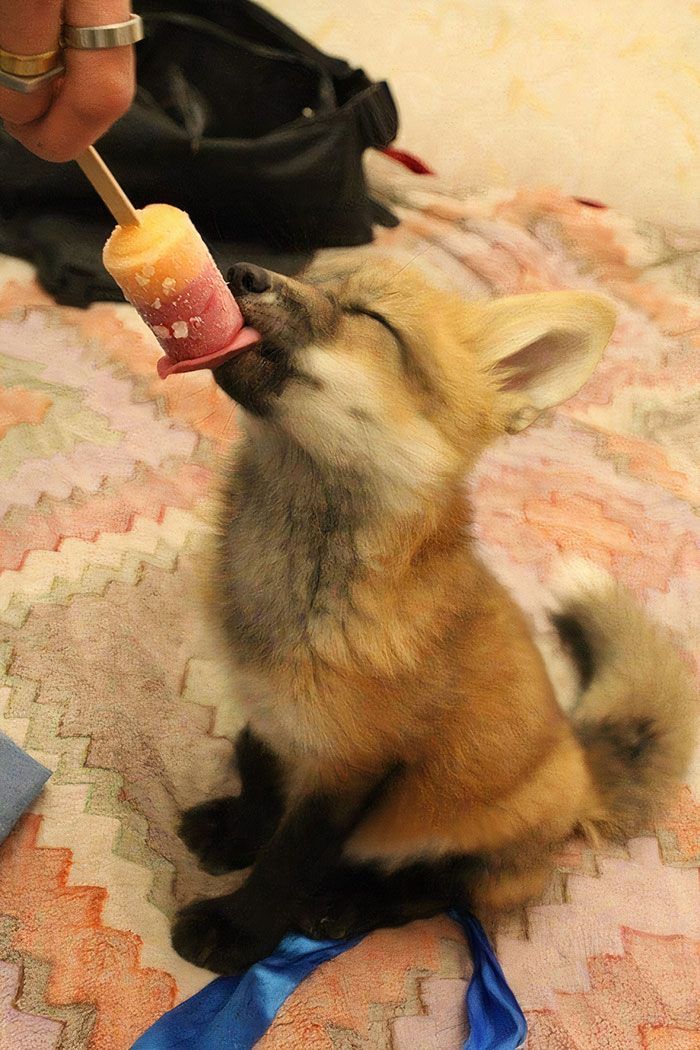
(60, 119)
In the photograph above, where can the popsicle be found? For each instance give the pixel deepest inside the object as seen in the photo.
(166, 272)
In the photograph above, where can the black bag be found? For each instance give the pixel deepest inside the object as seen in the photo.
(237, 120)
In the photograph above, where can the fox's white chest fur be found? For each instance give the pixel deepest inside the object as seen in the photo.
(287, 557)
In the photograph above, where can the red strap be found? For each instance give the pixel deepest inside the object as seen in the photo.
(589, 203)
(409, 160)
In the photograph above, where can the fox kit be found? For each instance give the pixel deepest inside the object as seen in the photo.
(404, 750)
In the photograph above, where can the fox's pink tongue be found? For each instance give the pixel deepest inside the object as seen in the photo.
(245, 338)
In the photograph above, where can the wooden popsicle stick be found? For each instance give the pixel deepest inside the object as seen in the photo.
(107, 187)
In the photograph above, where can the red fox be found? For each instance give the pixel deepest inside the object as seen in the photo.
(404, 750)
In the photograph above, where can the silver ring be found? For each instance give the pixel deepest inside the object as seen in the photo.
(25, 85)
(95, 38)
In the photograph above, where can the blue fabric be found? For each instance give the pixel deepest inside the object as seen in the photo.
(495, 1017)
(21, 780)
(232, 1013)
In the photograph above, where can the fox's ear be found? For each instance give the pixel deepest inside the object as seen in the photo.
(541, 348)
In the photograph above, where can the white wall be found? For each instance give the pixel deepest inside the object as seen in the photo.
(598, 97)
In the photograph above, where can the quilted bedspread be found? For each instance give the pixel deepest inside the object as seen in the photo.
(109, 677)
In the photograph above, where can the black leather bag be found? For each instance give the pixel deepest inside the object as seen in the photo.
(238, 120)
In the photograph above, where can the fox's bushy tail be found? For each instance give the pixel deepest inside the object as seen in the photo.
(638, 709)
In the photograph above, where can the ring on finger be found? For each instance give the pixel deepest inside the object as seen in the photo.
(28, 65)
(96, 38)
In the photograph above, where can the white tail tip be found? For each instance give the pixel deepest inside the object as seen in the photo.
(575, 577)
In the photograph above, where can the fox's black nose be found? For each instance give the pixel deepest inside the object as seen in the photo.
(247, 279)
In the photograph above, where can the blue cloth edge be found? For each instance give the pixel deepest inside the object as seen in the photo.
(232, 1013)
(26, 778)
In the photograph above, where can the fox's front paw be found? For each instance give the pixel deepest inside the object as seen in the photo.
(226, 934)
(330, 915)
(222, 835)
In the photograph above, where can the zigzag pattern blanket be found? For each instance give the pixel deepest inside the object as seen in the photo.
(109, 679)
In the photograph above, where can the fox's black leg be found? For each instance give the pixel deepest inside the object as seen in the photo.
(227, 833)
(357, 898)
(229, 933)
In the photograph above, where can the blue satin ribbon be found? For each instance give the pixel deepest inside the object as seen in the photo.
(496, 1021)
(232, 1013)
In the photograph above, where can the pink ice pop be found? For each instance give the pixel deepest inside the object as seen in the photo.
(166, 272)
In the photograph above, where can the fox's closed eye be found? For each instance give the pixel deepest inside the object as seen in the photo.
(364, 311)
(409, 362)
(376, 316)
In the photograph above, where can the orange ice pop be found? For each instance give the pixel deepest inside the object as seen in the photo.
(166, 272)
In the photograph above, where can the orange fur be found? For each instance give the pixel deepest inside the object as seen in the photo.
(414, 654)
